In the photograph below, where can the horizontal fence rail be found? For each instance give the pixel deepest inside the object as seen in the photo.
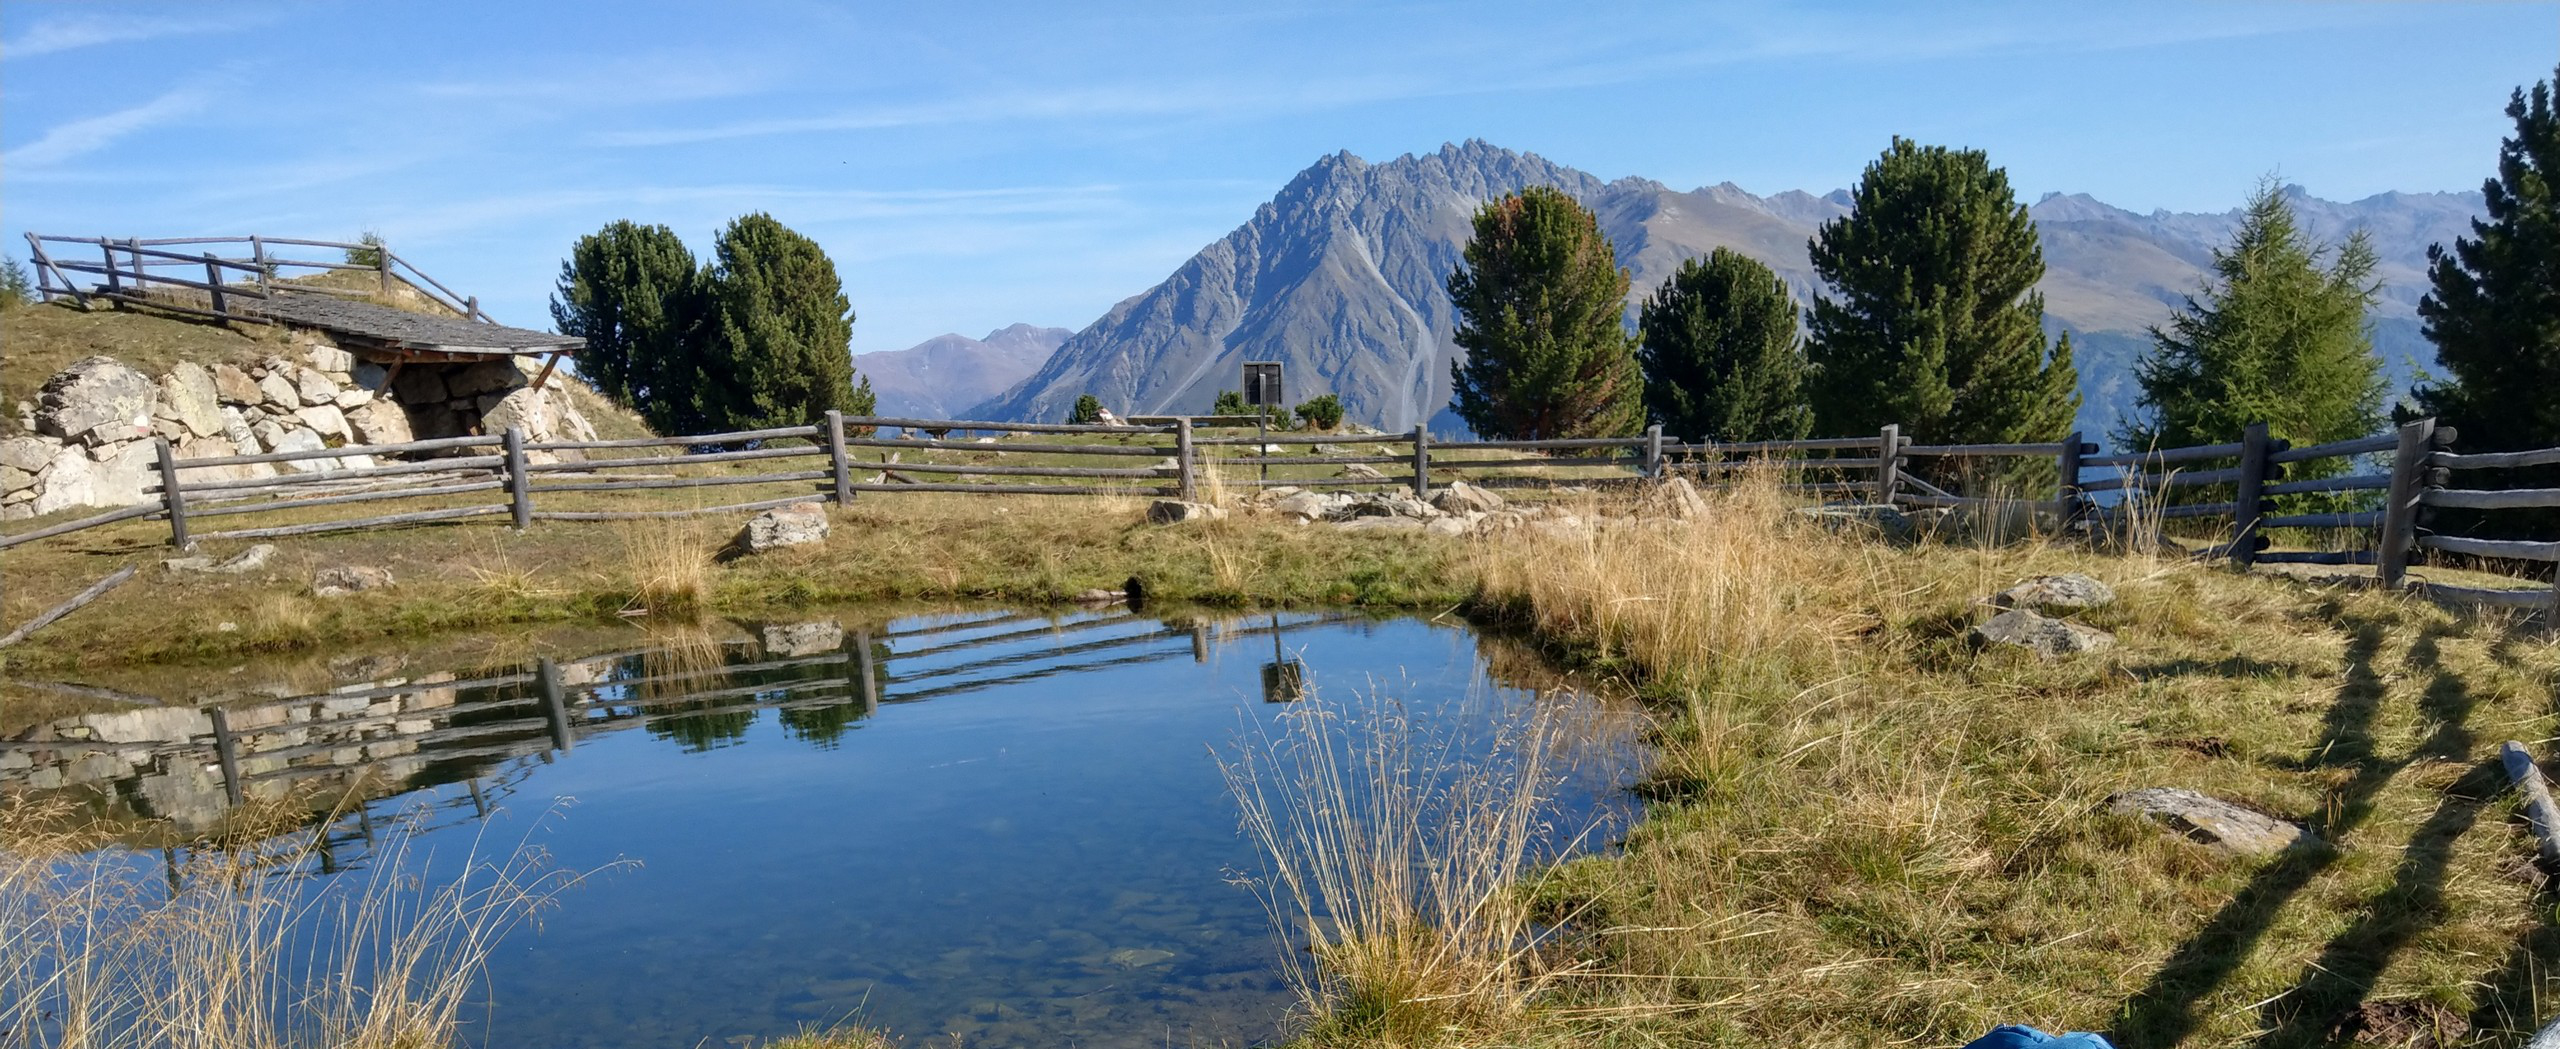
(842, 458)
(144, 271)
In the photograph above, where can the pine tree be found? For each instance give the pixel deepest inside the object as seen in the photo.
(2279, 337)
(2494, 309)
(15, 288)
(633, 292)
(778, 331)
(1720, 355)
(1937, 325)
(1088, 410)
(1541, 305)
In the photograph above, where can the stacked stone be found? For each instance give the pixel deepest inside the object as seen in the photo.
(94, 422)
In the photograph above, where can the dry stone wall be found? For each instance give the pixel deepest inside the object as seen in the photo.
(87, 441)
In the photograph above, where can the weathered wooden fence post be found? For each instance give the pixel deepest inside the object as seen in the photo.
(382, 267)
(1888, 463)
(2066, 489)
(213, 281)
(837, 459)
(2400, 507)
(173, 497)
(1421, 462)
(546, 676)
(2245, 508)
(226, 750)
(866, 678)
(258, 255)
(519, 485)
(107, 249)
(1186, 477)
(1653, 451)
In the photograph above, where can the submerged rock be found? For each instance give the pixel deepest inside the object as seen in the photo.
(2213, 821)
(2047, 638)
(803, 639)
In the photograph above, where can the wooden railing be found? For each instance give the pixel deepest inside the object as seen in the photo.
(841, 458)
(125, 273)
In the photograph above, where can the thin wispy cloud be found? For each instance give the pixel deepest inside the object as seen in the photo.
(74, 32)
(90, 134)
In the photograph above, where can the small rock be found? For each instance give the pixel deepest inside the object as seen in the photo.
(2213, 821)
(1333, 449)
(1675, 498)
(1275, 494)
(1099, 596)
(341, 580)
(1461, 498)
(1381, 524)
(1449, 526)
(1311, 506)
(234, 386)
(798, 524)
(2047, 638)
(331, 359)
(314, 388)
(2069, 592)
(1176, 511)
(1139, 957)
(1887, 521)
(1362, 471)
(249, 560)
(30, 454)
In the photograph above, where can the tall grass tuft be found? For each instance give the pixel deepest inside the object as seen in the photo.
(669, 561)
(235, 950)
(1394, 858)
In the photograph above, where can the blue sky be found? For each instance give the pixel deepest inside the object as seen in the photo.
(973, 165)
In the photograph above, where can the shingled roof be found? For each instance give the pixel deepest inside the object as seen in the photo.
(367, 325)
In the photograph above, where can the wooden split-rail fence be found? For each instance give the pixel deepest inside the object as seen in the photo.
(2389, 482)
(239, 273)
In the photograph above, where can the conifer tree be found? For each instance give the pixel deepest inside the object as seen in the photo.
(778, 331)
(633, 293)
(2494, 307)
(2278, 337)
(1720, 355)
(1088, 410)
(1541, 304)
(1933, 321)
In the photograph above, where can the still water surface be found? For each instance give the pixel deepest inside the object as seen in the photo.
(1017, 834)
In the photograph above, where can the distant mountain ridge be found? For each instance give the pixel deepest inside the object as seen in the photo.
(1341, 277)
(944, 376)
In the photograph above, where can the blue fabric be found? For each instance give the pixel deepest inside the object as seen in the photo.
(2020, 1036)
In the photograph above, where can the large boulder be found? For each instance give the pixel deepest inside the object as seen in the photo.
(324, 419)
(2047, 638)
(297, 439)
(1311, 506)
(798, 524)
(234, 386)
(1463, 498)
(2069, 592)
(313, 388)
(1384, 504)
(521, 408)
(421, 385)
(97, 400)
(187, 395)
(330, 359)
(380, 422)
(30, 454)
(484, 377)
(1177, 511)
(276, 391)
(2213, 821)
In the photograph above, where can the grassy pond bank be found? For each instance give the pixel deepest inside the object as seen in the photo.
(1858, 828)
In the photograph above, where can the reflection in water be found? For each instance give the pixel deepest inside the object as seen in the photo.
(998, 826)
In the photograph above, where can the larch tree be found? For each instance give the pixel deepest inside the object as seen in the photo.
(1933, 321)
(1541, 304)
(778, 331)
(1720, 354)
(2277, 336)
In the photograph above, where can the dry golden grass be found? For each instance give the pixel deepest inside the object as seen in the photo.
(1392, 858)
(236, 954)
